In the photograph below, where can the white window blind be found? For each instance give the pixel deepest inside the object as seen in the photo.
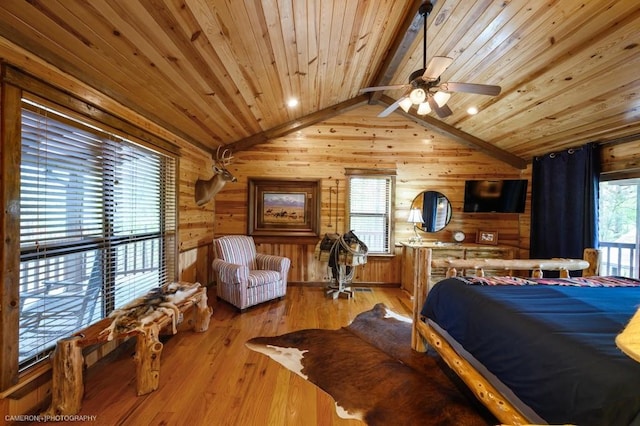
(370, 211)
(97, 225)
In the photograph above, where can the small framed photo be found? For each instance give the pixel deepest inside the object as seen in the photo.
(487, 237)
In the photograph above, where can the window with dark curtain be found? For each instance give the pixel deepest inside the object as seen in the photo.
(97, 225)
(564, 203)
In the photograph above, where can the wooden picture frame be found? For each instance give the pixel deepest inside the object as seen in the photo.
(284, 207)
(487, 237)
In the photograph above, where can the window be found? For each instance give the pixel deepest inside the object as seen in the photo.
(370, 206)
(97, 224)
(618, 224)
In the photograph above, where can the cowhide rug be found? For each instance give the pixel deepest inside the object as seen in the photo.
(373, 374)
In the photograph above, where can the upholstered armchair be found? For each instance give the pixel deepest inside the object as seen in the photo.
(244, 277)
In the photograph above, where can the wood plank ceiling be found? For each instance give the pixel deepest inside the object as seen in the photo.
(220, 72)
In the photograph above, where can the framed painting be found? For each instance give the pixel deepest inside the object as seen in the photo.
(487, 237)
(282, 207)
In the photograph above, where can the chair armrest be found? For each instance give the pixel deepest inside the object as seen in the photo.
(273, 263)
(230, 273)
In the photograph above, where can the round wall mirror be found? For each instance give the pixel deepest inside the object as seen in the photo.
(435, 209)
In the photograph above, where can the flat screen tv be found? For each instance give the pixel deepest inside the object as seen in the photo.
(495, 196)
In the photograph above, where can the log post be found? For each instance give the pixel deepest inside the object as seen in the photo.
(67, 386)
(592, 256)
(451, 272)
(202, 314)
(147, 359)
(421, 286)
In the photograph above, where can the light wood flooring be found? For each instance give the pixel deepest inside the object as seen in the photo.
(211, 378)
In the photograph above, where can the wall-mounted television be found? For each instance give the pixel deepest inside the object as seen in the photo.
(495, 196)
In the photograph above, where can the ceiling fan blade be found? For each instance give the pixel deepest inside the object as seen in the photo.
(436, 66)
(388, 110)
(374, 89)
(479, 89)
(442, 111)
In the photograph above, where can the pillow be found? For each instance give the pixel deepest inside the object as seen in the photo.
(629, 340)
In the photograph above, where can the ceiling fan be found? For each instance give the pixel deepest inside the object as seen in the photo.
(424, 89)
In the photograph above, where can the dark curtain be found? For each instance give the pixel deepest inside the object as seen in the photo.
(429, 210)
(564, 203)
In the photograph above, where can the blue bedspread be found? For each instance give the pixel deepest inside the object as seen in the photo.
(552, 345)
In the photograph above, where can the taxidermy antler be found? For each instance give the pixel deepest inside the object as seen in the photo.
(207, 189)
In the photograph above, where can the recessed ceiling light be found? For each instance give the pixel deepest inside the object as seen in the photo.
(293, 102)
(472, 110)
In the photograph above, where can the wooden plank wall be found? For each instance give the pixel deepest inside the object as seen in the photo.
(424, 160)
(196, 224)
(621, 158)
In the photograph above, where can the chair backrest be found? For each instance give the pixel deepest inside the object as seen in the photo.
(237, 249)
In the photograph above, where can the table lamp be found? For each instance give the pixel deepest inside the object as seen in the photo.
(415, 217)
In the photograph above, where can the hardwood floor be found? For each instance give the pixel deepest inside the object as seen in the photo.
(211, 378)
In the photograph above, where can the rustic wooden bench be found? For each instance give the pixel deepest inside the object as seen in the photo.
(68, 360)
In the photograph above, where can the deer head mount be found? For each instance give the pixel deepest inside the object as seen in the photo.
(207, 189)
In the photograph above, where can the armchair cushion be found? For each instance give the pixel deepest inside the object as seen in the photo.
(258, 277)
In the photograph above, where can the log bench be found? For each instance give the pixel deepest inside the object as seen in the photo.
(67, 388)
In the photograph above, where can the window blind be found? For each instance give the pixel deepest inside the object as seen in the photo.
(370, 211)
(97, 225)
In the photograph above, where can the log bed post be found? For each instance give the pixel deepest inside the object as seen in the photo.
(592, 255)
(422, 262)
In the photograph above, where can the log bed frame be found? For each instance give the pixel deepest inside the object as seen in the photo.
(423, 335)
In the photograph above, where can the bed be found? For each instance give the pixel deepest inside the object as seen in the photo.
(535, 350)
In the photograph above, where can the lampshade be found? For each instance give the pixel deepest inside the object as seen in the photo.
(417, 96)
(441, 98)
(424, 108)
(415, 216)
(405, 104)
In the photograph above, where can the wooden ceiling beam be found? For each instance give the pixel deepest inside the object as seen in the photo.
(407, 32)
(298, 124)
(460, 136)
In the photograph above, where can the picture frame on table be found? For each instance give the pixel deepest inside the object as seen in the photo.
(487, 237)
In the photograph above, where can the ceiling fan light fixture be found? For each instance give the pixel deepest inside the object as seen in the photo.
(424, 85)
(417, 96)
(406, 104)
(441, 98)
(424, 108)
